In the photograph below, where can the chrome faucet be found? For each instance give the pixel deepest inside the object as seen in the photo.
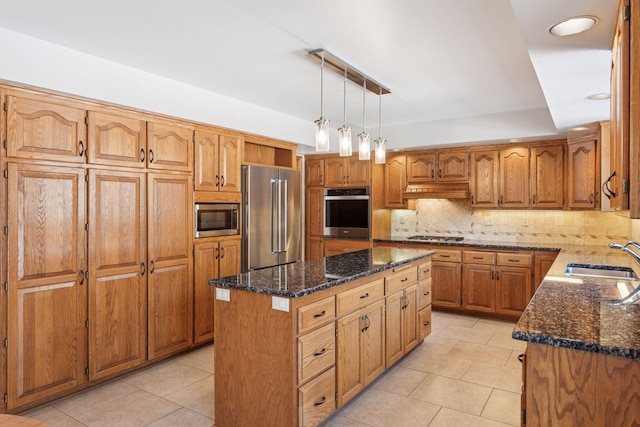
(627, 250)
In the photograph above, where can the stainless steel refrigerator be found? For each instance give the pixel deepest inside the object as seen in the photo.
(271, 229)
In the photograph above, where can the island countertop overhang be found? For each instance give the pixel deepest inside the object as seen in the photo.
(302, 278)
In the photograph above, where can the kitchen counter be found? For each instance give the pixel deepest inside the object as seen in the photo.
(474, 243)
(306, 277)
(574, 312)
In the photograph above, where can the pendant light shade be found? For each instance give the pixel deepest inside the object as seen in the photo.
(364, 138)
(322, 124)
(344, 133)
(381, 150)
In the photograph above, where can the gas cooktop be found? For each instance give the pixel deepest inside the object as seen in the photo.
(437, 238)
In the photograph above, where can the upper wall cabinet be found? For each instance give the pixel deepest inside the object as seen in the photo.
(395, 176)
(346, 172)
(314, 171)
(484, 179)
(583, 174)
(46, 128)
(547, 177)
(169, 146)
(514, 178)
(117, 139)
(438, 167)
(217, 161)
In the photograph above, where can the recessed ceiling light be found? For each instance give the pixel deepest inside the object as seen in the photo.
(573, 25)
(598, 96)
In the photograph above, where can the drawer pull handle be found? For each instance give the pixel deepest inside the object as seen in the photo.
(426, 294)
(404, 280)
(426, 270)
(513, 260)
(320, 314)
(445, 255)
(364, 296)
(320, 353)
(320, 402)
(478, 257)
(426, 323)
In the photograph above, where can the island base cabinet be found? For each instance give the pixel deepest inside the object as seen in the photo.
(424, 319)
(567, 387)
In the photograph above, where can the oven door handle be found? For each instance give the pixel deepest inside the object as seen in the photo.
(346, 197)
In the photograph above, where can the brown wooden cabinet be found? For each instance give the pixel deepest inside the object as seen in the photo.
(213, 259)
(395, 175)
(402, 323)
(483, 183)
(583, 174)
(169, 146)
(513, 282)
(314, 213)
(217, 161)
(453, 166)
(117, 282)
(514, 178)
(420, 168)
(47, 264)
(346, 172)
(170, 266)
(542, 261)
(342, 246)
(478, 287)
(446, 284)
(45, 127)
(314, 171)
(117, 139)
(547, 177)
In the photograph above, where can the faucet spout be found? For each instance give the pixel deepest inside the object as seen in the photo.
(624, 248)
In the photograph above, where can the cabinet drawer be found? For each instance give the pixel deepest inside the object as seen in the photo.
(447, 255)
(424, 270)
(515, 259)
(359, 297)
(424, 297)
(478, 257)
(316, 400)
(400, 280)
(316, 352)
(424, 317)
(316, 314)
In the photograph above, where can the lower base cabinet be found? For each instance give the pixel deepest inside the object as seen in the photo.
(342, 246)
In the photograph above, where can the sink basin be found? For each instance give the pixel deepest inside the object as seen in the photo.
(603, 271)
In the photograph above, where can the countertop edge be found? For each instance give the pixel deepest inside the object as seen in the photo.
(488, 245)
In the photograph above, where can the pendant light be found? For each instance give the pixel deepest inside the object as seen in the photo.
(381, 153)
(364, 138)
(322, 124)
(344, 133)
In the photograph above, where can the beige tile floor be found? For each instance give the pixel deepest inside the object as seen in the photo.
(466, 373)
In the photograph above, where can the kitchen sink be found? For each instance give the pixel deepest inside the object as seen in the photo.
(603, 271)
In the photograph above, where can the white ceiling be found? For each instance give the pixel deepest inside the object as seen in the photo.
(459, 71)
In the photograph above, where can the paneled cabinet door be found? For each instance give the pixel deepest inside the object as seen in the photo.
(421, 168)
(453, 167)
(479, 288)
(393, 343)
(315, 211)
(42, 129)
(315, 247)
(335, 172)
(170, 266)
(348, 357)
(169, 146)
(47, 298)
(206, 173)
(446, 284)
(206, 267)
(314, 171)
(484, 179)
(410, 333)
(583, 175)
(117, 140)
(373, 351)
(513, 290)
(514, 178)
(117, 272)
(230, 158)
(359, 172)
(395, 175)
(547, 177)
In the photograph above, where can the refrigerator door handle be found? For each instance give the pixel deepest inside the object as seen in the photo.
(275, 216)
(285, 208)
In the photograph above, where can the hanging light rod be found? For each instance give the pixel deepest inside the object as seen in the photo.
(339, 66)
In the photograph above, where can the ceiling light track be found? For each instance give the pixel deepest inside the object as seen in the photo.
(339, 66)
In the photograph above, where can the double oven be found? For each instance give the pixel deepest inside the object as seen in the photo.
(347, 212)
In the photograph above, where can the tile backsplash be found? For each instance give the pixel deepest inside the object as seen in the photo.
(455, 218)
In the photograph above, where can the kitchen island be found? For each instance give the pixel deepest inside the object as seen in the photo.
(293, 343)
(582, 363)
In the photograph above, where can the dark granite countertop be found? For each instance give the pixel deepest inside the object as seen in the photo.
(472, 243)
(305, 277)
(574, 312)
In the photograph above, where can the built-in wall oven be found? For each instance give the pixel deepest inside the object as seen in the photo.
(347, 212)
(216, 219)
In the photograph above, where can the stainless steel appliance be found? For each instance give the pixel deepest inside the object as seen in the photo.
(271, 217)
(346, 212)
(216, 219)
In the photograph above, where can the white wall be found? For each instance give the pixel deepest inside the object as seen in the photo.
(34, 62)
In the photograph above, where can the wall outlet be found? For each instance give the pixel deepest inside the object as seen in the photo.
(401, 218)
(281, 304)
(525, 221)
(488, 221)
(223, 294)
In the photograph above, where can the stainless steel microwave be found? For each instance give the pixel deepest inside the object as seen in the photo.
(216, 219)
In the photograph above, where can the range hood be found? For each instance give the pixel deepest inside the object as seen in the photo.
(437, 190)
